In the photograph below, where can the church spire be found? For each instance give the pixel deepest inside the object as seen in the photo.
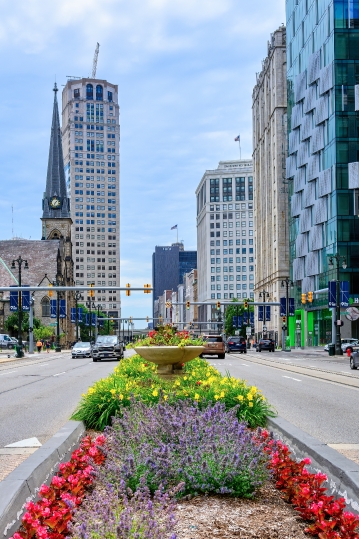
(55, 204)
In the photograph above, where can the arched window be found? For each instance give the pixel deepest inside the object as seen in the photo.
(89, 91)
(99, 93)
(45, 307)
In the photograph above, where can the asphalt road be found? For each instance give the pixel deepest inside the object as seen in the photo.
(323, 406)
(39, 394)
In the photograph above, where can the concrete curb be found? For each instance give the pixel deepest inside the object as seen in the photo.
(343, 474)
(23, 484)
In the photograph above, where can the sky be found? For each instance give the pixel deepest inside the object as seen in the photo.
(185, 71)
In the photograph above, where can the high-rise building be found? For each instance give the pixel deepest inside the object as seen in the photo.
(169, 265)
(269, 106)
(322, 72)
(91, 138)
(225, 235)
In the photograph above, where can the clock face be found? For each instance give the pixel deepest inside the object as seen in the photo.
(55, 203)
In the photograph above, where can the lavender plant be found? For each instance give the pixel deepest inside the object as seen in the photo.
(116, 512)
(208, 449)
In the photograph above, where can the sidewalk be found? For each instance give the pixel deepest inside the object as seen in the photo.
(11, 353)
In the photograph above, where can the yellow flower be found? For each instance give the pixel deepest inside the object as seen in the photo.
(165, 397)
(113, 391)
(196, 397)
(222, 394)
(240, 397)
(185, 378)
(120, 397)
(155, 393)
(250, 404)
(216, 397)
(250, 397)
(91, 390)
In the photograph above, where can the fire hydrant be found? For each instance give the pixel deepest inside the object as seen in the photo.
(348, 352)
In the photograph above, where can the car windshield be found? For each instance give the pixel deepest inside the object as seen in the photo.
(213, 339)
(82, 345)
(108, 339)
(265, 341)
(233, 339)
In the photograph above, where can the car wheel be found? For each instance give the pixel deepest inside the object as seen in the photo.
(201, 355)
(245, 351)
(257, 349)
(352, 364)
(93, 359)
(221, 356)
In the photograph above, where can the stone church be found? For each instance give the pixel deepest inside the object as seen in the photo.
(49, 259)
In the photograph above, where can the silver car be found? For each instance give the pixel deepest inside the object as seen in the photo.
(81, 349)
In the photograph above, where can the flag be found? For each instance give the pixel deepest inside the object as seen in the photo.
(173, 227)
(238, 139)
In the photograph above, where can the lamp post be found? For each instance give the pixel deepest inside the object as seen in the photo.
(58, 282)
(339, 259)
(264, 294)
(99, 308)
(287, 283)
(19, 261)
(90, 305)
(78, 297)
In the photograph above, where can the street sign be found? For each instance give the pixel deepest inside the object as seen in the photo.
(264, 328)
(248, 331)
(237, 332)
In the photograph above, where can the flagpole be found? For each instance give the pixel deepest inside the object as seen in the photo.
(240, 151)
(177, 233)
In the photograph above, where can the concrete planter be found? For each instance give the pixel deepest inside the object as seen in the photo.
(169, 358)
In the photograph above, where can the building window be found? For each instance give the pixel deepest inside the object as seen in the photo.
(227, 189)
(77, 93)
(89, 91)
(45, 307)
(99, 93)
(109, 96)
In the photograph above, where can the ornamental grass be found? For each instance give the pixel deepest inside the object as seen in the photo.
(135, 379)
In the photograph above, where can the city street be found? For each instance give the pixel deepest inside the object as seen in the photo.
(39, 394)
(312, 391)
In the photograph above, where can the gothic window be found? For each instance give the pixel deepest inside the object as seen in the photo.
(89, 91)
(99, 93)
(45, 307)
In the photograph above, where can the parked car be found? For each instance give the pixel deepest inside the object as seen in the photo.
(214, 346)
(354, 360)
(266, 344)
(349, 344)
(348, 341)
(6, 341)
(237, 344)
(107, 346)
(81, 349)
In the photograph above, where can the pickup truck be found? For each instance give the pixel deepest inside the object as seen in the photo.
(107, 346)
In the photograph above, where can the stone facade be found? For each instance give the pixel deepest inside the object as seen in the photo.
(269, 105)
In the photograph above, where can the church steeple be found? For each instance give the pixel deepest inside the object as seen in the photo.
(55, 204)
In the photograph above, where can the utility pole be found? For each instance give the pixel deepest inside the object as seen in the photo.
(19, 261)
(265, 295)
(287, 283)
(338, 258)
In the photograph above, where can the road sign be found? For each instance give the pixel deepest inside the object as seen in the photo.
(248, 331)
(237, 332)
(264, 328)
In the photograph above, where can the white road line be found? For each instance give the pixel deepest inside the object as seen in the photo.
(58, 374)
(9, 372)
(42, 364)
(296, 379)
(245, 365)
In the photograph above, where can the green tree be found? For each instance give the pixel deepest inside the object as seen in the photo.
(236, 310)
(84, 330)
(44, 332)
(12, 323)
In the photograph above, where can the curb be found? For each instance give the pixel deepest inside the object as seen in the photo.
(23, 484)
(343, 474)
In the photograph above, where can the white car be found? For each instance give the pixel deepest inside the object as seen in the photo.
(348, 344)
(81, 349)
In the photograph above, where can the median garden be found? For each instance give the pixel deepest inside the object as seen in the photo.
(176, 447)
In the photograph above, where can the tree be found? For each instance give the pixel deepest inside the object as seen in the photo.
(44, 332)
(235, 309)
(85, 330)
(12, 323)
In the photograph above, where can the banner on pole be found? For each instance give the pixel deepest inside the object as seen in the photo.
(73, 315)
(267, 313)
(53, 303)
(14, 298)
(87, 319)
(332, 294)
(291, 307)
(79, 315)
(94, 321)
(344, 294)
(62, 308)
(25, 299)
(260, 313)
(283, 306)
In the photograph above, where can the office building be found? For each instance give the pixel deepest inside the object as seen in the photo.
(271, 232)
(225, 235)
(322, 72)
(91, 138)
(169, 264)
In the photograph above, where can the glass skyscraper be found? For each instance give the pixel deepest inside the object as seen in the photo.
(323, 138)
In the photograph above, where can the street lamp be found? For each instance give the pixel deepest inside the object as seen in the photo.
(58, 282)
(78, 297)
(339, 259)
(287, 283)
(99, 308)
(264, 294)
(19, 261)
(91, 306)
(123, 329)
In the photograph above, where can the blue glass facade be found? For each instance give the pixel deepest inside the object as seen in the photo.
(323, 137)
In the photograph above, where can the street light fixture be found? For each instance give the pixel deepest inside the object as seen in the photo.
(264, 294)
(78, 297)
(58, 282)
(91, 306)
(287, 283)
(340, 260)
(19, 261)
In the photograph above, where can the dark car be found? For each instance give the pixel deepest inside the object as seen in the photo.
(237, 344)
(107, 346)
(266, 344)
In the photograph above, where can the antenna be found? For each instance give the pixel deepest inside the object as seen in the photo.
(94, 64)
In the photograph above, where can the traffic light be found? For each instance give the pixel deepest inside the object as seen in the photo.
(147, 291)
(50, 292)
(92, 292)
(128, 292)
(147, 319)
(284, 319)
(168, 304)
(188, 304)
(245, 304)
(160, 318)
(304, 298)
(218, 305)
(310, 297)
(130, 320)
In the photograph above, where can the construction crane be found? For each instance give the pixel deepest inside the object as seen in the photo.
(94, 64)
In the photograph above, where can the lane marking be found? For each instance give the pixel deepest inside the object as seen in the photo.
(6, 373)
(42, 364)
(245, 365)
(291, 377)
(59, 373)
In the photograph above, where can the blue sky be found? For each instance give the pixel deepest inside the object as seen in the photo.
(185, 71)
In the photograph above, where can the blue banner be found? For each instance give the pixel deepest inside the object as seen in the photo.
(14, 297)
(87, 319)
(344, 294)
(73, 315)
(283, 306)
(62, 308)
(234, 321)
(245, 318)
(53, 308)
(260, 313)
(291, 307)
(94, 321)
(25, 299)
(267, 313)
(251, 318)
(332, 294)
(79, 315)
(100, 323)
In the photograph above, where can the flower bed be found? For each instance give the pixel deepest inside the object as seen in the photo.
(201, 383)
